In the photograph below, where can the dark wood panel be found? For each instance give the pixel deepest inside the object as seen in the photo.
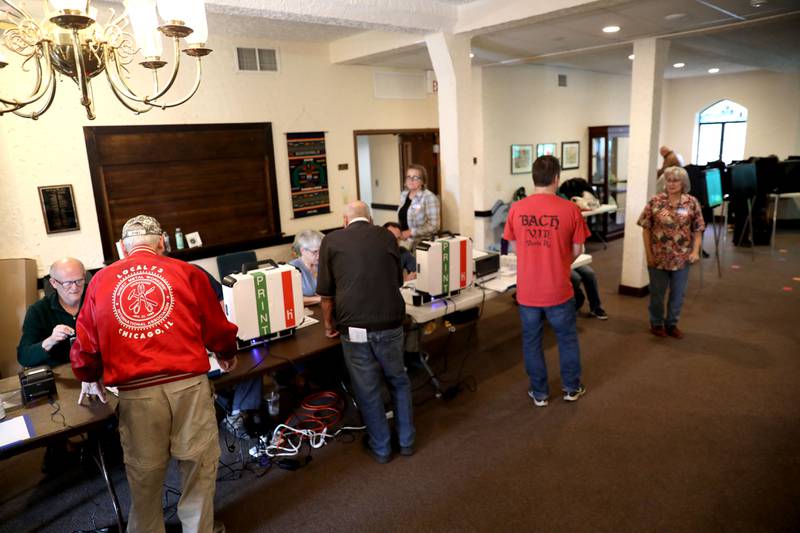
(122, 146)
(218, 181)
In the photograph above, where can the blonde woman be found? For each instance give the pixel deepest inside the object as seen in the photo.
(419, 215)
(672, 231)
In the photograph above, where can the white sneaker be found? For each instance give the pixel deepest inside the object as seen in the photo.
(536, 402)
(574, 395)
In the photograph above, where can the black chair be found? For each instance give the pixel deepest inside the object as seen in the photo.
(231, 263)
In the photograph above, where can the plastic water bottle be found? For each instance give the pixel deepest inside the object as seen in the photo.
(273, 403)
(179, 244)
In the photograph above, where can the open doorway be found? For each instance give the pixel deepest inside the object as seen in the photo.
(381, 159)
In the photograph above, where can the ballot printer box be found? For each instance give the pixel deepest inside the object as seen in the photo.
(264, 303)
(444, 265)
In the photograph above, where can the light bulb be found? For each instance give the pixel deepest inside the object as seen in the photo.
(170, 10)
(196, 19)
(145, 26)
(71, 5)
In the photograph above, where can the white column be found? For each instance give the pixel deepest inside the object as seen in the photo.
(646, 86)
(451, 62)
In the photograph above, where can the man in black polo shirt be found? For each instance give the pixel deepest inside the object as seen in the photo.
(47, 331)
(50, 323)
(359, 280)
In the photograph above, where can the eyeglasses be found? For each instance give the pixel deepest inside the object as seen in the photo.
(69, 284)
(312, 252)
(415, 178)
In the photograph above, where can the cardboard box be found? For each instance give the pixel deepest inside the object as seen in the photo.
(17, 292)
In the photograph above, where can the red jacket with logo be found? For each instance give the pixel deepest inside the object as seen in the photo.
(148, 319)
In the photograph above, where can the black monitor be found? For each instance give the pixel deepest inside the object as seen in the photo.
(713, 187)
(743, 177)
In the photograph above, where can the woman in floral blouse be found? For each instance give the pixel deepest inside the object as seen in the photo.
(673, 229)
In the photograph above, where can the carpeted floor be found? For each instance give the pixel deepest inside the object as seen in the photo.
(699, 434)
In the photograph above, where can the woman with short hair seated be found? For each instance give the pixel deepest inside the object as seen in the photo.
(306, 247)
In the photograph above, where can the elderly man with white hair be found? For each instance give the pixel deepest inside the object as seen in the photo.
(50, 323)
(145, 326)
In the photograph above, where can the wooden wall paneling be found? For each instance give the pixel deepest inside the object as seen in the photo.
(215, 179)
(100, 195)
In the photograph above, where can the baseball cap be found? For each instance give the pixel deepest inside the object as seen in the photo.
(141, 225)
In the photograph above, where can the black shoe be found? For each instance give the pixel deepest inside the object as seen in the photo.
(406, 451)
(599, 313)
(380, 459)
(705, 254)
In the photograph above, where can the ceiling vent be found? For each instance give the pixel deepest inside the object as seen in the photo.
(257, 59)
(562, 80)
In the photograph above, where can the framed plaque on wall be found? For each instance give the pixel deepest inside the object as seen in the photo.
(58, 208)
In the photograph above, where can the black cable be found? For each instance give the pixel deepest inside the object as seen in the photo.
(294, 365)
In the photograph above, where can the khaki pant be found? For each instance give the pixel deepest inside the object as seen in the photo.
(174, 419)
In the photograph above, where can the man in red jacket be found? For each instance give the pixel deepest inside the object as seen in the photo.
(145, 325)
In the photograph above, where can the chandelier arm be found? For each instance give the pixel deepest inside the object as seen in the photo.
(82, 79)
(123, 100)
(189, 95)
(120, 92)
(40, 89)
(117, 80)
(36, 114)
(175, 66)
(19, 11)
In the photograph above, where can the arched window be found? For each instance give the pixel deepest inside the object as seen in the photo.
(721, 130)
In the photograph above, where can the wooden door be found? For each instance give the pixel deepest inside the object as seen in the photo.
(421, 148)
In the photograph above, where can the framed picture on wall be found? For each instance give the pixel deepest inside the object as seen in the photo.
(521, 158)
(545, 149)
(58, 208)
(570, 155)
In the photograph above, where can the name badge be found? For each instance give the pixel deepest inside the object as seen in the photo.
(682, 211)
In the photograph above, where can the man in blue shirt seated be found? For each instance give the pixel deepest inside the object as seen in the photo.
(407, 259)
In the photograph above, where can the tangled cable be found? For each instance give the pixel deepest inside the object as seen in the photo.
(310, 423)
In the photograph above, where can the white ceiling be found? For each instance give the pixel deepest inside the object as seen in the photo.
(279, 30)
(577, 41)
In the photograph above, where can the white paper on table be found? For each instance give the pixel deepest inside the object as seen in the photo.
(14, 430)
(308, 322)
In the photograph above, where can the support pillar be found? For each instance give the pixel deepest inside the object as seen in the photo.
(646, 87)
(451, 62)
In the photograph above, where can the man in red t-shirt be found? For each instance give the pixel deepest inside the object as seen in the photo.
(549, 233)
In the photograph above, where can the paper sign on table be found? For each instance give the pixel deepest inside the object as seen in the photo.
(15, 430)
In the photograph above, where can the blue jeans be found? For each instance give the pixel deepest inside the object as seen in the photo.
(586, 275)
(562, 319)
(660, 281)
(368, 364)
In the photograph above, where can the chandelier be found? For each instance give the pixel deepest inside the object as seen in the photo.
(71, 41)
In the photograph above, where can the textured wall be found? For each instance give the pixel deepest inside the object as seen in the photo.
(308, 94)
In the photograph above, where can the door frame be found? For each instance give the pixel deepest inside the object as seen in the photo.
(399, 131)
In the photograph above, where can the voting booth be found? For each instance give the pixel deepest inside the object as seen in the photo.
(444, 266)
(265, 303)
